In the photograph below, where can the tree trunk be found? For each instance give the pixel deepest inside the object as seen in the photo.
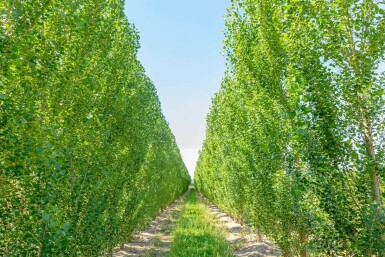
(303, 239)
(260, 237)
(374, 178)
(302, 231)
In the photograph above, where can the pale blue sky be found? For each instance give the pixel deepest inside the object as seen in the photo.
(181, 44)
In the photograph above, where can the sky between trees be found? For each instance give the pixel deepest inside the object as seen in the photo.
(181, 44)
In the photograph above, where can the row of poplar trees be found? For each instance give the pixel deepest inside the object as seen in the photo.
(86, 156)
(295, 137)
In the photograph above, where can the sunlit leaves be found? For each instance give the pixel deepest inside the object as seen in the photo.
(86, 155)
(292, 143)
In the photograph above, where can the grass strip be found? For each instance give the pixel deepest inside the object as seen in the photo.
(196, 234)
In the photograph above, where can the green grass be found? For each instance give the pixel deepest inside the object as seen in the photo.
(196, 234)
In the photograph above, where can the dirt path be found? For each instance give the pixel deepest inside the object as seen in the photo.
(242, 238)
(155, 240)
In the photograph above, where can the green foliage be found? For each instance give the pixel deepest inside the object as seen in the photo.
(294, 141)
(86, 156)
(195, 234)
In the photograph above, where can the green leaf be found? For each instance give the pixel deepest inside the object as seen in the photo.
(61, 233)
(46, 217)
(292, 114)
(66, 226)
